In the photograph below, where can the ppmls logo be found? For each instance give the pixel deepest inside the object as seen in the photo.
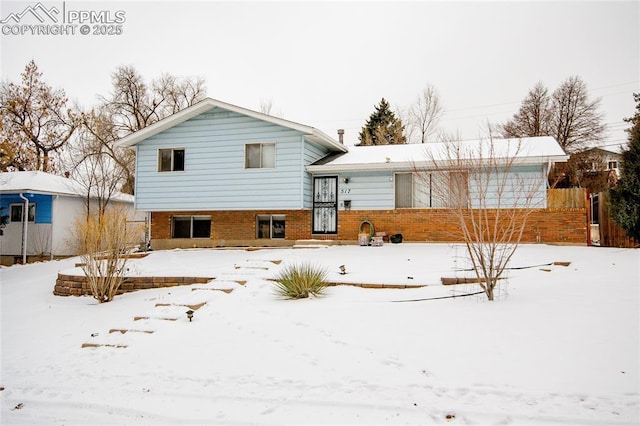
(40, 20)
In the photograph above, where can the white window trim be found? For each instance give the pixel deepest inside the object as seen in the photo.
(275, 155)
(172, 160)
(434, 201)
(271, 216)
(21, 205)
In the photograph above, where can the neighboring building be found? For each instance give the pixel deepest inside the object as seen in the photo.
(54, 204)
(599, 160)
(596, 169)
(216, 174)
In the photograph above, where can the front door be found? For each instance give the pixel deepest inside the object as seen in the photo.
(325, 205)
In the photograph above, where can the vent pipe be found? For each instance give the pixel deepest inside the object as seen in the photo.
(341, 136)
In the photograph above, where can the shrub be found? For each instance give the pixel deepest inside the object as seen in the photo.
(102, 238)
(298, 281)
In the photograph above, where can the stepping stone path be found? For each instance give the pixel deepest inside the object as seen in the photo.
(173, 309)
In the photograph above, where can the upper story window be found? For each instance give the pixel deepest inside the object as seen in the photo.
(15, 212)
(171, 160)
(260, 156)
(612, 165)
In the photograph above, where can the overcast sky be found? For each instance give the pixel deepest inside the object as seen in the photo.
(327, 64)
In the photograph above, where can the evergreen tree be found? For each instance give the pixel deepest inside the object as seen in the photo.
(382, 127)
(625, 198)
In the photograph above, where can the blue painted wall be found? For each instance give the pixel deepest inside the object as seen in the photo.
(215, 177)
(43, 204)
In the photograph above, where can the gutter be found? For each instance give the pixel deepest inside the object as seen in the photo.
(25, 222)
(426, 165)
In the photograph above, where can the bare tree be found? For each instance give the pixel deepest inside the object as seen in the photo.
(576, 119)
(534, 116)
(100, 167)
(568, 115)
(266, 106)
(425, 113)
(490, 196)
(178, 93)
(132, 106)
(36, 123)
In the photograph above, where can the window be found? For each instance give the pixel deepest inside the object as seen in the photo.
(191, 227)
(404, 190)
(270, 226)
(260, 156)
(15, 212)
(458, 190)
(612, 165)
(431, 190)
(171, 160)
(414, 190)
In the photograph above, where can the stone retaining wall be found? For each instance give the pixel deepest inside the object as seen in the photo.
(77, 285)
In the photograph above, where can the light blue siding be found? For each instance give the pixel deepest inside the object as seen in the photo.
(367, 191)
(311, 154)
(376, 190)
(523, 186)
(214, 176)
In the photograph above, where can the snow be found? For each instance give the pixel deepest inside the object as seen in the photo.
(560, 346)
(528, 150)
(41, 182)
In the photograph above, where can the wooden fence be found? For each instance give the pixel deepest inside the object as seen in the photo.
(567, 198)
(611, 235)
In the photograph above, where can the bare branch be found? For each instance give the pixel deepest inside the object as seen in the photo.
(490, 193)
(425, 113)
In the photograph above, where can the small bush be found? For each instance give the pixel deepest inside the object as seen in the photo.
(298, 281)
(102, 240)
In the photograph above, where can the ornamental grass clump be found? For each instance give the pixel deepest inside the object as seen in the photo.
(299, 281)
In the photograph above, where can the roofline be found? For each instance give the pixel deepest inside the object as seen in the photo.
(207, 104)
(410, 165)
(115, 198)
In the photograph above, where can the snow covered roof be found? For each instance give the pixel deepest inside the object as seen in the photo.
(46, 183)
(536, 150)
(207, 104)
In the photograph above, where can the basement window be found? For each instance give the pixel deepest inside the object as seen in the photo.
(171, 160)
(191, 227)
(270, 226)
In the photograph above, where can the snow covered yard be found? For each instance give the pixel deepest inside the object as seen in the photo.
(561, 346)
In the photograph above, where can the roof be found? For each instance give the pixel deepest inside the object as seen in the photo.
(207, 104)
(535, 150)
(599, 150)
(45, 183)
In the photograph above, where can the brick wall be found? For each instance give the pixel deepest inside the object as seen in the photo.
(567, 225)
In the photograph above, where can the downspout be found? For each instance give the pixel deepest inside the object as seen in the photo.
(302, 173)
(55, 199)
(25, 221)
(148, 242)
